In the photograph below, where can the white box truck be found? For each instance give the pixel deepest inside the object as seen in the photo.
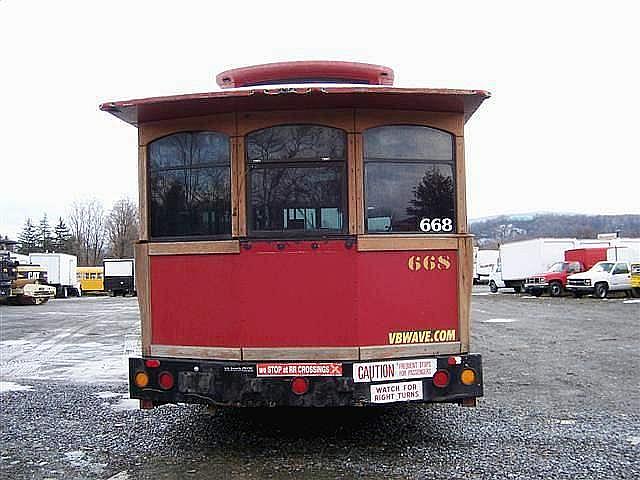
(624, 250)
(61, 272)
(483, 263)
(519, 260)
(119, 276)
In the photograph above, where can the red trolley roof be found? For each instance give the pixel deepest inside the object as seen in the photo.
(376, 94)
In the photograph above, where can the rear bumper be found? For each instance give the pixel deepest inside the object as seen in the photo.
(241, 384)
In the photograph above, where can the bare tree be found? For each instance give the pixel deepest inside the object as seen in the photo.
(122, 228)
(86, 221)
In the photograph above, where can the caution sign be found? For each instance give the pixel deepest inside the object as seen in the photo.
(396, 392)
(299, 370)
(394, 370)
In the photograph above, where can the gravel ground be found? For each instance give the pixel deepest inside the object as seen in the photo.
(561, 401)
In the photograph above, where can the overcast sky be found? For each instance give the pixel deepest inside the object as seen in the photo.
(559, 133)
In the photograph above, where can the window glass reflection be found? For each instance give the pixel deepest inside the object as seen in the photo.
(296, 142)
(296, 179)
(289, 198)
(407, 142)
(190, 185)
(409, 180)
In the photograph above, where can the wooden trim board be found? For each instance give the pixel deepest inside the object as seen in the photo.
(208, 353)
(379, 243)
(194, 248)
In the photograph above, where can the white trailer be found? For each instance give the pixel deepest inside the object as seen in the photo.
(624, 250)
(61, 272)
(119, 276)
(519, 260)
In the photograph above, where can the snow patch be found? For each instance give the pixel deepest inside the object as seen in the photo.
(126, 404)
(13, 343)
(481, 294)
(634, 440)
(105, 395)
(14, 387)
(632, 301)
(120, 476)
(500, 320)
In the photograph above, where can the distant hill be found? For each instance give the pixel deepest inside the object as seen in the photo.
(492, 231)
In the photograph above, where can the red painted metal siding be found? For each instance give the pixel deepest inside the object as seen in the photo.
(299, 296)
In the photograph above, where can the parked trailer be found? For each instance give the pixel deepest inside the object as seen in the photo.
(624, 250)
(322, 257)
(61, 272)
(119, 276)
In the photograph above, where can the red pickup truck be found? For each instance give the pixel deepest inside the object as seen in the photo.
(554, 280)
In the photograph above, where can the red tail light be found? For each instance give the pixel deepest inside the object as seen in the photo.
(441, 378)
(152, 363)
(299, 385)
(165, 380)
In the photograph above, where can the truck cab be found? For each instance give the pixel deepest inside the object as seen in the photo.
(553, 280)
(602, 278)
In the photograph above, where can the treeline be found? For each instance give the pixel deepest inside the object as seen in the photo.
(508, 228)
(88, 231)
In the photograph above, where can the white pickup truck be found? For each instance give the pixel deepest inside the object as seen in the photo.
(602, 278)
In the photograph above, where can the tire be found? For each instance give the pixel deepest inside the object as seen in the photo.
(493, 287)
(601, 290)
(555, 289)
(517, 289)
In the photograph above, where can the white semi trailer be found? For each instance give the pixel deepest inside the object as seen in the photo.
(119, 276)
(61, 272)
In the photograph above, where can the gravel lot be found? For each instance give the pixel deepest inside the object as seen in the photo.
(561, 401)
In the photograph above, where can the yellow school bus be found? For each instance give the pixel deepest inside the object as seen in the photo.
(90, 279)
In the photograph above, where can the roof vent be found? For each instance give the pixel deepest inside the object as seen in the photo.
(313, 71)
